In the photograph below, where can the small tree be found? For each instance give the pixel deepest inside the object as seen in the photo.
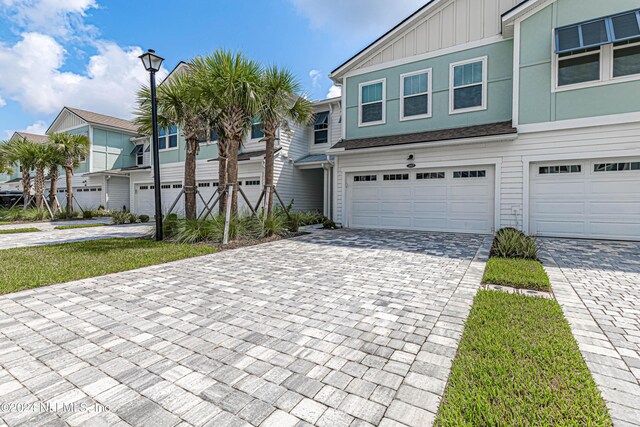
(230, 84)
(54, 163)
(24, 153)
(280, 104)
(73, 149)
(179, 104)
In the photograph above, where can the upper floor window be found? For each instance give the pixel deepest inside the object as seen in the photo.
(415, 95)
(257, 131)
(138, 151)
(600, 51)
(168, 138)
(321, 128)
(372, 103)
(212, 137)
(468, 86)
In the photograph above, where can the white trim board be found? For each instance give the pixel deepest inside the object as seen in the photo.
(613, 119)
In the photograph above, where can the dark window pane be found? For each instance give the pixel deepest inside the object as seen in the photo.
(321, 136)
(256, 131)
(543, 170)
(625, 26)
(594, 33)
(611, 167)
(322, 120)
(213, 136)
(635, 166)
(416, 105)
(372, 92)
(482, 174)
(579, 70)
(467, 97)
(626, 61)
(162, 143)
(415, 84)
(372, 112)
(600, 167)
(568, 38)
(173, 141)
(624, 166)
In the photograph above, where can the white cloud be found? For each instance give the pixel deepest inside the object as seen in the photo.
(334, 91)
(2, 102)
(58, 18)
(32, 76)
(315, 76)
(39, 127)
(356, 18)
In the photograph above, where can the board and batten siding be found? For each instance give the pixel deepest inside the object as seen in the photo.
(538, 103)
(68, 121)
(452, 23)
(513, 157)
(111, 150)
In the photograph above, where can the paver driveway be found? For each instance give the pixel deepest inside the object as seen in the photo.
(49, 236)
(344, 328)
(598, 285)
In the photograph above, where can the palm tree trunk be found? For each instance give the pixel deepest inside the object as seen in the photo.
(268, 171)
(69, 175)
(190, 179)
(222, 176)
(232, 174)
(40, 182)
(26, 186)
(54, 174)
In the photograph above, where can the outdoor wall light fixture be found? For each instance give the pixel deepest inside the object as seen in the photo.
(411, 164)
(152, 64)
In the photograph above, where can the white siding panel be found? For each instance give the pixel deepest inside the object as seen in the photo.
(451, 23)
(117, 193)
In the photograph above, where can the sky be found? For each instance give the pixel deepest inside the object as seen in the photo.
(84, 53)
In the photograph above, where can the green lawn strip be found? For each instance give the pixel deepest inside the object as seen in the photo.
(517, 273)
(69, 227)
(519, 365)
(5, 222)
(32, 267)
(19, 230)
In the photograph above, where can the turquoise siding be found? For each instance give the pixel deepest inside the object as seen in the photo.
(537, 101)
(207, 151)
(499, 94)
(84, 166)
(111, 150)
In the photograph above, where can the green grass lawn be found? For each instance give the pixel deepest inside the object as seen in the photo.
(32, 267)
(517, 273)
(5, 222)
(19, 230)
(519, 365)
(72, 226)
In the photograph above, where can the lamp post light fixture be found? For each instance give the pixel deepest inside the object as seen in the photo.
(152, 64)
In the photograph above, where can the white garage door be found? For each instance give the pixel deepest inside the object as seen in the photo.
(594, 199)
(446, 199)
(145, 196)
(87, 197)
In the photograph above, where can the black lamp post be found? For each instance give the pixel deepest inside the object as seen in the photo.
(152, 64)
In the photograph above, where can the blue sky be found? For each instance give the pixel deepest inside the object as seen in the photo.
(82, 53)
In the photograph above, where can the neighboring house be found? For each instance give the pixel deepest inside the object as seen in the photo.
(474, 115)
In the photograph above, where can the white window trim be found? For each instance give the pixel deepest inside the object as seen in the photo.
(384, 103)
(167, 148)
(428, 93)
(606, 69)
(483, 106)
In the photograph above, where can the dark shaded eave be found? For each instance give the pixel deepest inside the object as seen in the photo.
(516, 7)
(408, 18)
(478, 131)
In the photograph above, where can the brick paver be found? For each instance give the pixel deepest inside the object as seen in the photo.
(343, 328)
(597, 283)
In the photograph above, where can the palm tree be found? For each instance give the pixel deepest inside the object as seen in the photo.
(54, 163)
(230, 84)
(280, 104)
(73, 149)
(5, 164)
(42, 156)
(179, 104)
(22, 152)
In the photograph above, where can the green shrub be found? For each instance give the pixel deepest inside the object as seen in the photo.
(87, 214)
(329, 224)
(276, 224)
(63, 214)
(144, 218)
(123, 217)
(512, 243)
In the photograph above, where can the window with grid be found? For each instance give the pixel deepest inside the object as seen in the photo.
(372, 98)
(415, 94)
(365, 178)
(470, 174)
(168, 138)
(546, 170)
(321, 128)
(430, 175)
(396, 177)
(468, 85)
(616, 167)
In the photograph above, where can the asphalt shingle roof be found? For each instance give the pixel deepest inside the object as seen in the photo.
(101, 119)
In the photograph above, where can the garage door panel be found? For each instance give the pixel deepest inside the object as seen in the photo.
(460, 205)
(558, 208)
(587, 204)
